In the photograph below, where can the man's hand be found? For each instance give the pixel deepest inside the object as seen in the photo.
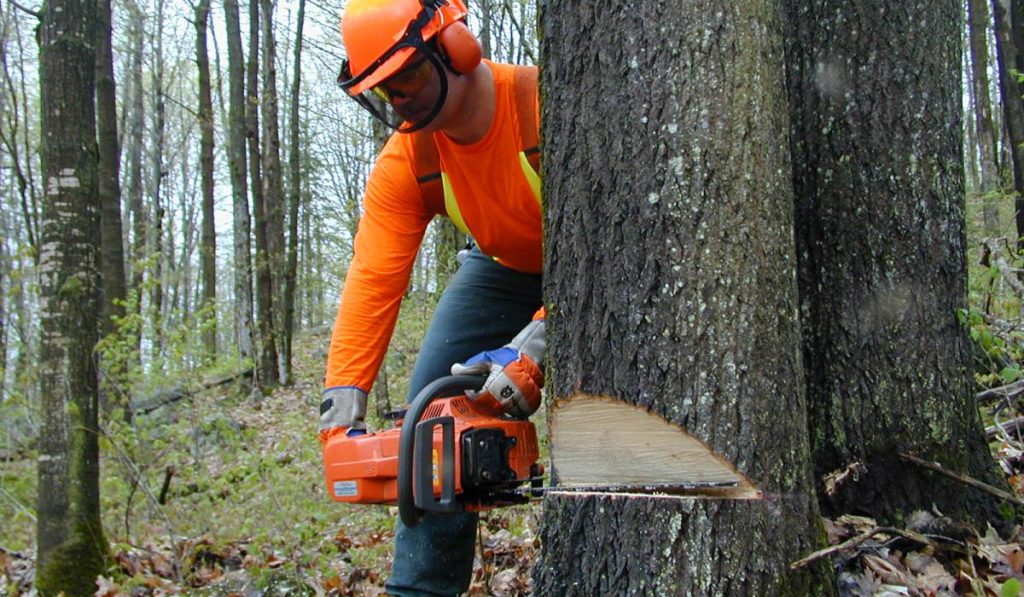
(515, 373)
(343, 408)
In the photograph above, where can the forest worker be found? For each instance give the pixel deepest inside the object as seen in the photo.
(416, 67)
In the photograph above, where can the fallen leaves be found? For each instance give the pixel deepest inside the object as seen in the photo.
(877, 561)
(507, 551)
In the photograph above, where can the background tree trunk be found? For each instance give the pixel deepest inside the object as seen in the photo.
(112, 255)
(1013, 104)
(988, 165)
(266, 370)
(878, 176)
(136, 126)
(208, 244)
(156, 238)
(239, 190)
(5, 284)
(273, 183)
(15, 120)
(485, 11)
(448, 241)
(294, 199)
(72, 550)
(670, 280)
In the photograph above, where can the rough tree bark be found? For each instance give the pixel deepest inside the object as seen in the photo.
(670, 284)
(878, 177)
(208, 242)
(72, 550)
(239, 191)
(112, 257)
(294, 199)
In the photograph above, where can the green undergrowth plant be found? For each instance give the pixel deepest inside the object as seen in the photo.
(993, 316)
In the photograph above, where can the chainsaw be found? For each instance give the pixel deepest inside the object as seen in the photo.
(444, 455)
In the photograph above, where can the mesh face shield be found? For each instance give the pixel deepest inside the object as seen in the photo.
(412, 97)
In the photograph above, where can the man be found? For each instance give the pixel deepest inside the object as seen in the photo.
(415, 66)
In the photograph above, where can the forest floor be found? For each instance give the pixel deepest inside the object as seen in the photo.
(244, 511)
(222, 495)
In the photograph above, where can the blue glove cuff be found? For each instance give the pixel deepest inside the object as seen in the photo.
(501, 356)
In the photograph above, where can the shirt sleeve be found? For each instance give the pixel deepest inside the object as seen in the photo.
(388, 238)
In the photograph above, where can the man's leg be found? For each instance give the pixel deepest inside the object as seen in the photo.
(484, 307)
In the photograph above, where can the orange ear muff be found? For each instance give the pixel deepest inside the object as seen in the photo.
(460, 47)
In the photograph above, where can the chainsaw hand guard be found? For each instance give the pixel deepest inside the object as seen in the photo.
(407, 507)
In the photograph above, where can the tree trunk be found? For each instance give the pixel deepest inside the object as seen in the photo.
(448, 241)
(294, 198)
(972, 150)
(878, 176)
(112, 255)
(485, 11)
(381, 392)
(19, 147)
(1013, 104)
(136, 126)
(208, 244)
(156, 248)
(239, 191)
(5, 295)
(72, 550)
(273, 184)
(670, 280)
(977, 14)
(266, 369)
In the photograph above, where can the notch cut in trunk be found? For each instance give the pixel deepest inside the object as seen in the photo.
(598, 441)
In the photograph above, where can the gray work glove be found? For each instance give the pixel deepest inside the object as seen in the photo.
(342, 408)
(515, 374)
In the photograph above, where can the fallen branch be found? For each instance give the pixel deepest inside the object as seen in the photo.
(1011, 426)
(1009, 274)
(15, 554)
(1002, 392)
(175, 394)
(938, 468)
(855, 541)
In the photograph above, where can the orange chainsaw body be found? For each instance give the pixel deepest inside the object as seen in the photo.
(489, 454)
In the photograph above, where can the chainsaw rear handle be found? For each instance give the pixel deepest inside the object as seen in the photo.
(439, 388)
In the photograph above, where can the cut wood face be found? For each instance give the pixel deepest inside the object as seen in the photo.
(597, 441)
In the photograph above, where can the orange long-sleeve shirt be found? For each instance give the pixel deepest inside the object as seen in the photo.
(493, 201)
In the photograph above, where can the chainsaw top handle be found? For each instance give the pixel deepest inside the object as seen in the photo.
(445, 386)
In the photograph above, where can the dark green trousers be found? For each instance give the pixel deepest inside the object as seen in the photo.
(484, 307)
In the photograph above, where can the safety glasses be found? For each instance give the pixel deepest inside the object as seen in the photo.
(407, 83)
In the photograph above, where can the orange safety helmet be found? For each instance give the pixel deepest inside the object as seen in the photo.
(384, 37)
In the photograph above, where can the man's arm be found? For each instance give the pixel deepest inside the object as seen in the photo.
(385, 248)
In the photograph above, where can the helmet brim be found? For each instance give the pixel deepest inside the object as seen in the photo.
(377, 74)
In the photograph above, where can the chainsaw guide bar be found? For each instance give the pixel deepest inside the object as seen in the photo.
(655, 490)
